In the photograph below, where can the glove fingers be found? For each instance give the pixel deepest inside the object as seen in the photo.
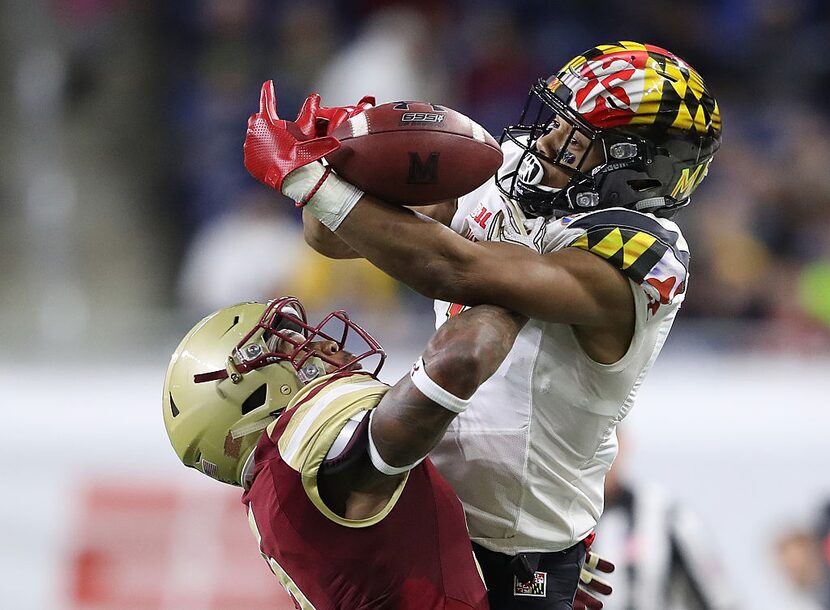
(307, 117)
(268, 101)
(595, 583)
(595, 562)
(366, 102)
(586, 601)
(337, 117)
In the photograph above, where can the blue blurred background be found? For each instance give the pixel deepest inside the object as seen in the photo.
(127, 215)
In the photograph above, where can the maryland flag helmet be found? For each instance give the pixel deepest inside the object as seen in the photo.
(640, 112)
(238, 368)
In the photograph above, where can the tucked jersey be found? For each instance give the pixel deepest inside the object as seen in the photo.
(415, 554)
(528, 458)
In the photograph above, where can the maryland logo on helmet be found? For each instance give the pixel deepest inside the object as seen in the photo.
(629, 83)
(646, 112)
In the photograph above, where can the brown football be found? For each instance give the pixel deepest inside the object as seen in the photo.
(414, 153)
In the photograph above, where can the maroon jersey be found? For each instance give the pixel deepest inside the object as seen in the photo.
(415, 554)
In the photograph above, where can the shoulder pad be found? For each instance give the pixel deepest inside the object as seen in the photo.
(320, 415)
(650, 251)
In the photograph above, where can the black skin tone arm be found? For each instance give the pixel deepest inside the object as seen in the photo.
(571, 286)
(406, 425)
(325, 242)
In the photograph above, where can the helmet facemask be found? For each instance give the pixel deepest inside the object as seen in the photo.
(544, 111)
(283, 334)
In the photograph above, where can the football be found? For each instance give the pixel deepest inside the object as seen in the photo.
(414, 153)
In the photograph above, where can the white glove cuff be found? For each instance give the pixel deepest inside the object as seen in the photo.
(435, 392)
(327, 197)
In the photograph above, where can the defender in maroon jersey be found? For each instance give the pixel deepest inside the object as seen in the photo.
(407, 550)
(346, 511)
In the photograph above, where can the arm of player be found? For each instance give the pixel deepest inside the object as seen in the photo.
(461, 356)
(571, 286)
(325, 242)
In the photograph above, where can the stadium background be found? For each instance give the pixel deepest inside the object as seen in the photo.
(127, 214)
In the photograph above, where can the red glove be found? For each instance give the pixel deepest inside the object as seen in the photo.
(590, 585)
(316, 121)
(274, 147)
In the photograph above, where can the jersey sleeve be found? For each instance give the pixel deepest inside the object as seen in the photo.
(321, 412)
(650, 251)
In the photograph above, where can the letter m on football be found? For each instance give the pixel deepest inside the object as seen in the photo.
(423, 171)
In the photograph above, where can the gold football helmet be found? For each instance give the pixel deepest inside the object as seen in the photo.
(237, 369)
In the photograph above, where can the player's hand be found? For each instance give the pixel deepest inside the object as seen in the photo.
(316, 121)
(591, 585)
(274, 147)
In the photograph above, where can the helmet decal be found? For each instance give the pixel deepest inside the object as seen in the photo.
(629, 83)
(689, 179)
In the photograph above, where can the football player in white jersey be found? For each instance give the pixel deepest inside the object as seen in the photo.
(574, 232)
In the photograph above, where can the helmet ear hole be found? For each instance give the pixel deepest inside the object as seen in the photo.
(255, 400)
(644, 185)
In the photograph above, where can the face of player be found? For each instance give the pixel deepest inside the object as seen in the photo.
(568, 147)
(333, 352)
(335, 357)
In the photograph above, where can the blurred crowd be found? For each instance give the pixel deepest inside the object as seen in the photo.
(759, 227)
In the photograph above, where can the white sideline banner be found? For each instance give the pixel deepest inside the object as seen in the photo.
(742, 441)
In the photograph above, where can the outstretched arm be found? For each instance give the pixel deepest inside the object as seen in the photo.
(570, 286)
(461, 356)
(326, 242)
(573, 287)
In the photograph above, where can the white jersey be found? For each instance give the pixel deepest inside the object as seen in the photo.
(528, 458)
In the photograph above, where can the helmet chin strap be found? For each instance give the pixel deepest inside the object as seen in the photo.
(647, 205)
(256, 426)
(531, 174)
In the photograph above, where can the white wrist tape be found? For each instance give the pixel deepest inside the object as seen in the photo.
(435, 392)
(379, 462)
(333, 199)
